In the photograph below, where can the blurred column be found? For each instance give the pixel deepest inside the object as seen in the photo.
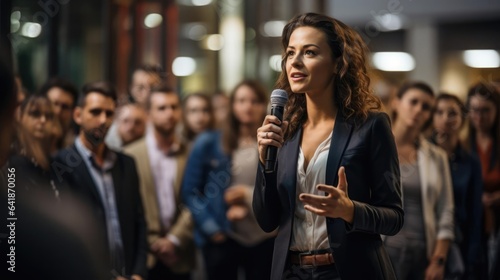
(5, 11)
(422, 43)
(231, 56)
(316, 6)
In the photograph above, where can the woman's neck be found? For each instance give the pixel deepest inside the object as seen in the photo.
(247, 131)
(404, 135)
(448, 142)
(483, 135)
(320, 108)
(483, 140)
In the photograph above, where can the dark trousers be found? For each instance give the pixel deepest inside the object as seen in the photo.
(324, 272)
(223, 260)
(163, 272)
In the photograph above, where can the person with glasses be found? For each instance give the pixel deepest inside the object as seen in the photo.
(62, 94)
(448, 119)
(144, 79)
(483, 101)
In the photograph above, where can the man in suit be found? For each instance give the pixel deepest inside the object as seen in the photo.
(107, 182)
(161, 159)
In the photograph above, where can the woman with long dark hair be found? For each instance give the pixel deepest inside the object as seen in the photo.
(483, 102)
(337, 187)
(217, 188)
(420, 249)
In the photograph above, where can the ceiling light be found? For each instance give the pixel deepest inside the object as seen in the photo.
(275, 62)
(31, 29)
(201, 2)
(482, 58)
(153, 20)
(273, 28)
(393, 61)
(183, 66)
(214, 42)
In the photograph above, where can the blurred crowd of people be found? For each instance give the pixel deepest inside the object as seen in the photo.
(155, 186)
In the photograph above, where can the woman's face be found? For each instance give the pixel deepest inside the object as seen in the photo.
(414, 108)
(36, 120)
(447, 118)
(310, 65)
(197, 114)
(482, 113)
(247, 107)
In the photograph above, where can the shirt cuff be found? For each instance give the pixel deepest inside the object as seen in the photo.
(174, 240)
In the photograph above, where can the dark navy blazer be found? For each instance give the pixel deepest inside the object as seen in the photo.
(72, 173)
(368, 153)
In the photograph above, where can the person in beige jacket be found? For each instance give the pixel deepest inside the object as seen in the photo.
(161, 159)
(420, 249)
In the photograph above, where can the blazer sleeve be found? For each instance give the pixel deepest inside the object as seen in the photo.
(193, 185)
(266, 202)
(445, 205)
(183, 227)
(384, 213)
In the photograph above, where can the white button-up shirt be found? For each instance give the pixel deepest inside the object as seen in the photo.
(164, 169)
(309, 229)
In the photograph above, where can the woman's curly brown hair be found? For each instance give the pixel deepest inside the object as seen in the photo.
(352, 96)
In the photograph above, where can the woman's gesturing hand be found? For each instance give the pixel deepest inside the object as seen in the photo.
(270, 133)
(336, 202)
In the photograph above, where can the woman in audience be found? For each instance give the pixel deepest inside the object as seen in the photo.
(218, 187)
(420, 249)
(36, 131)
(483, 102)
(448, 120)
(197, 116)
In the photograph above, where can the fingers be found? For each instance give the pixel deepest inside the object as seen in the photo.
(342, 179)
(271, 119)
(269, 134)
(317, 211)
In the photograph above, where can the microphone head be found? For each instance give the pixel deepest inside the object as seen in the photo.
(279, 97)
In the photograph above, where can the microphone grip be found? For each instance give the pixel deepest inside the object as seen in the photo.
(272, 151)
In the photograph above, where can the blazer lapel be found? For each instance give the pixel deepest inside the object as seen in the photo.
(181, 163)
(289, 176)
(340, 137)
(118, 176)
(84, 175)
(342, 132)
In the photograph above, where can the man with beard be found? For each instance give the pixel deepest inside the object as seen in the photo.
(161, 159)
(107, 181)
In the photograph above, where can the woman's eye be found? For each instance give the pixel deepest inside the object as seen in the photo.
(309, 52)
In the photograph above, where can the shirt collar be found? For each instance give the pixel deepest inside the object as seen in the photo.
(109, 155)
(175, 149)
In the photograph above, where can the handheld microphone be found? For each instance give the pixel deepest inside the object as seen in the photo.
(279, 98)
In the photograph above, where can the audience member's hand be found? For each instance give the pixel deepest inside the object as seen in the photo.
(270, 133)
(218, 237)
(434, 271)
(236, 195)
(491, 198)
(336, 202)
(165, 250)
(237, 213)
(136, 277)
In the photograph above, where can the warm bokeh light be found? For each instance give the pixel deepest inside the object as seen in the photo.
(393, 61)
